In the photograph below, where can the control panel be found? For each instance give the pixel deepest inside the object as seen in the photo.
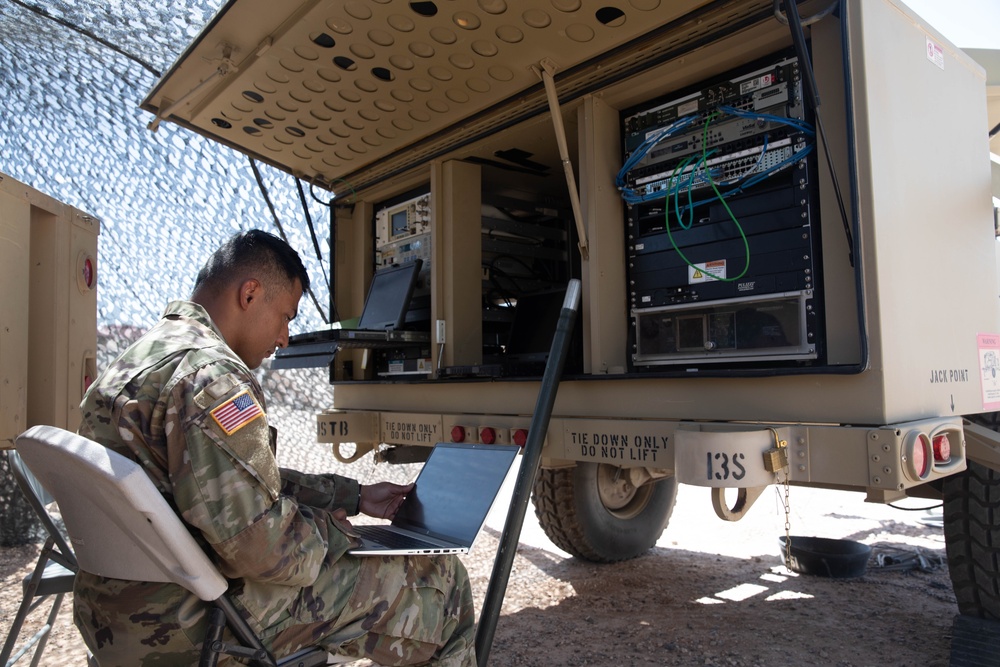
(403, 232)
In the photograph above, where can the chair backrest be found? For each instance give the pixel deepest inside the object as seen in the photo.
(39, 500)
(119, 524)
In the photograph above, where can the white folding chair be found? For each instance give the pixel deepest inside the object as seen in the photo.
(122, 527)
(51, 578)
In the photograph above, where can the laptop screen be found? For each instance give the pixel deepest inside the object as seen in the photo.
(389, 296)
(455, 490)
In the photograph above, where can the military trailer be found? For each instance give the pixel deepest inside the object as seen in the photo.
(48, 326)
(48, 317)
(781, 218)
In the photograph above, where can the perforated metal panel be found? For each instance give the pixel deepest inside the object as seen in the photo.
(336, 89)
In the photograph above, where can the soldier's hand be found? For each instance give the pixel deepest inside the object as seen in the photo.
(383, 499)
(340, 515)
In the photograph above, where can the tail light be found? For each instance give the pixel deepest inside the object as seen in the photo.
(918, 454)
(942, 448)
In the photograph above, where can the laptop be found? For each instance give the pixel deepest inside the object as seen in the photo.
(451, 498)
(380, 325)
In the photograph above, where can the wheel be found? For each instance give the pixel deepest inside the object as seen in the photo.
(593, 512)
(972, 535)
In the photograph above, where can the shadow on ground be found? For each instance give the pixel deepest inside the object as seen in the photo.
(679, 607)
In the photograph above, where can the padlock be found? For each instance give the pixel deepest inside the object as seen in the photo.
(776, 458)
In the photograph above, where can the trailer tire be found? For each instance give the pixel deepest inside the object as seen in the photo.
(972, 539)
(587, 512)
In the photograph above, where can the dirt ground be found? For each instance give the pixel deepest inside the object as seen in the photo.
(710, 593)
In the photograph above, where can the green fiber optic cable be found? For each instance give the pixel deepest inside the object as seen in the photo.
(711, 182)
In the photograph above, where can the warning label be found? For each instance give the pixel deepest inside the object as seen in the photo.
(989, 369)
(756, 84)
(706, 271)
(935, 53)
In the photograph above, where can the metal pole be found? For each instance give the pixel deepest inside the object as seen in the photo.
(526, 474)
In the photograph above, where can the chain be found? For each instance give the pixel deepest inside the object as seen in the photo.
(781, 446)
(788, 526)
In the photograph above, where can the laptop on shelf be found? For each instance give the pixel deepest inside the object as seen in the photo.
(380, 324)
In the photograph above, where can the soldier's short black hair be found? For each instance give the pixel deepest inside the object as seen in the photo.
(252, 254)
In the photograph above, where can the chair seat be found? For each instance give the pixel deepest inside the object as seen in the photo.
(55, 579)
(124, 528)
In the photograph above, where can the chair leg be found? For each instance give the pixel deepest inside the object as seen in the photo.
(209, 650)
(251, 646)
(53, 613)
(25, 608)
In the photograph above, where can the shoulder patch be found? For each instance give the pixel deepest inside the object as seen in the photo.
(218, 388)
(237, 412)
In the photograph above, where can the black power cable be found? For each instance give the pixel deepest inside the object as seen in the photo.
(281, 229)
(312, 230)
(812, 96)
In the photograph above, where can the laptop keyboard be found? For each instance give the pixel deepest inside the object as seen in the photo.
(392, 540)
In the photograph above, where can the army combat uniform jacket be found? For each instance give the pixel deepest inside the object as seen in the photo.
(182, 404)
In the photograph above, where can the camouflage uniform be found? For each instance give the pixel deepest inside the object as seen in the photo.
(183, 405)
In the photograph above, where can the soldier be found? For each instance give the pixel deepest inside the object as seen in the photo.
(182, 402)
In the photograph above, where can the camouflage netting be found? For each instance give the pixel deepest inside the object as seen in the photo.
(71, 127)
(295, 396)
(72, 73)
(19, 525)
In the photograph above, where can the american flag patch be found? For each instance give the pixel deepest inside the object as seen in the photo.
(237, 412)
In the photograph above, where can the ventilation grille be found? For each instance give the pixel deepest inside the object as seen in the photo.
(337, 89)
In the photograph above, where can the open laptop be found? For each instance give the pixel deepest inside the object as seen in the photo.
(448, 506)
(380, 325)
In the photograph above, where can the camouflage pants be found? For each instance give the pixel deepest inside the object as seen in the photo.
(393, 610)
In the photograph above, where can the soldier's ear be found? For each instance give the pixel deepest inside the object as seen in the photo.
(250, 290)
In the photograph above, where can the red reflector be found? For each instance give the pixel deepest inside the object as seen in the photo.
(458, 434)
(88, 273)
(920, 463)
(520, 437)
(942, 448)
(487, 435)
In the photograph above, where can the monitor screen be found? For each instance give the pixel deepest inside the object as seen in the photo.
(399, 223)
(389, 296)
